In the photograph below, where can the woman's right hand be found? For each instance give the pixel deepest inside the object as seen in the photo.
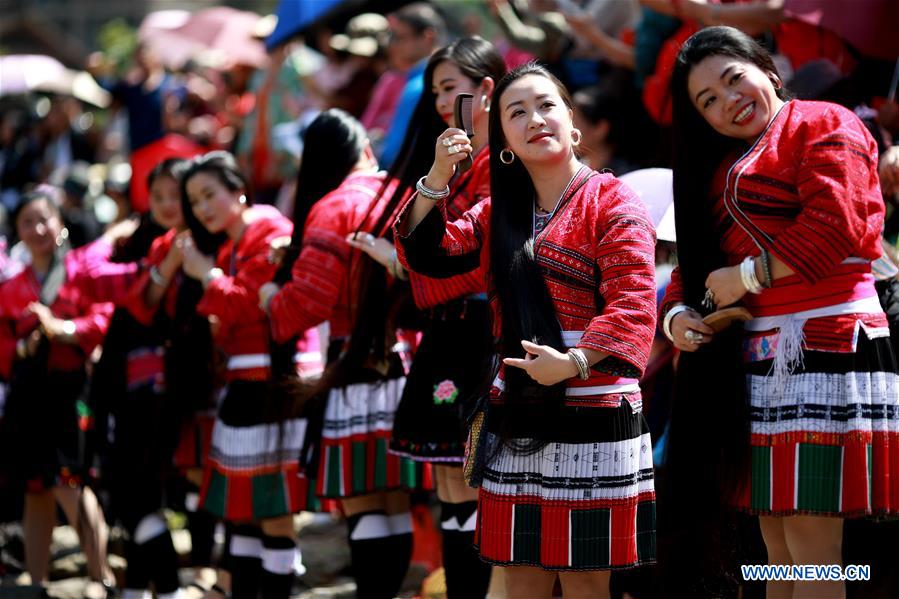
(452, 147)
(689, 324)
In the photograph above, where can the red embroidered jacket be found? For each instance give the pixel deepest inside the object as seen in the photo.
(233, 299)
(466, 191)
(597, 254)
(808, 192)
(74, 302)
(322, 287)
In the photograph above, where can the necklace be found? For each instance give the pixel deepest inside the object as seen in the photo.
(544, 216)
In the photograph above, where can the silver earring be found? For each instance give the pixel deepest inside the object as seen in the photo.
(507, 158)
(242, 199)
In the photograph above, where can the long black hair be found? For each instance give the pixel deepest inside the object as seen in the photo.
(476, 59)
(527, 310)
(332, 145)
(190, 359)
(709, 452)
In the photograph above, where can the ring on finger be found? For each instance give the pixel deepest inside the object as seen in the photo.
(447, 141)
(693, 336)
(454, 149)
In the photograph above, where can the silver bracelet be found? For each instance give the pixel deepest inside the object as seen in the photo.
(747, 275)
(580, 361)
(157, 277)
(212, 275)
(431, 194)
(669, 316)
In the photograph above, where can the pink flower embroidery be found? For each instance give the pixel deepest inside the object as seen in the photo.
(445, 392)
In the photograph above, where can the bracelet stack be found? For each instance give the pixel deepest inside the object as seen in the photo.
(747, 275)
(431, 194)
(580, 360)
(666, 324)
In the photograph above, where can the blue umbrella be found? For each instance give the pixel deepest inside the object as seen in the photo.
(295, 16)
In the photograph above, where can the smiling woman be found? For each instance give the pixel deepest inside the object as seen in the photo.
(778, 207)
(571, 282)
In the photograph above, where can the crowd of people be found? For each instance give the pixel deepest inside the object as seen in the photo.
(401, 265)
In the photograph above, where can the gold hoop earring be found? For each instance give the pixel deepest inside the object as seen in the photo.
(505, 158)
(578, 139)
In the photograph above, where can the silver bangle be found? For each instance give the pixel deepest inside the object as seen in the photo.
(157, 277)
(669, 316)
(431, 194)
(580, 361)
(747, 275)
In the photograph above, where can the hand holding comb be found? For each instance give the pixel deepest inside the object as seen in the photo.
(462, 112)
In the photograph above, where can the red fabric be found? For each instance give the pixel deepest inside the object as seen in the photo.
(465, 192)
(657, 87)
(145, 159)
(601, 278)
(134, 301)
(322, 287)
(73, 302)
(808, 191)
(802, 42)
(233, 299)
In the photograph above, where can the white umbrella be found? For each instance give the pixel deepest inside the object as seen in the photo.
(23, 73)
(654, 187)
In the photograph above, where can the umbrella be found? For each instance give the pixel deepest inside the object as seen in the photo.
(654, 187)
(295, 16)
(220, 33)
(865, 24)
(23, 73)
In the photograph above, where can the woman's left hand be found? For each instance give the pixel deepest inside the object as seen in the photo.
(379, 249)
(544, 364)
(726, 285)
(194, 263)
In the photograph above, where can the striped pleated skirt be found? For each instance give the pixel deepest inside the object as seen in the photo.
(826, 441)
(354, 458)
(252, 472)
(573, 506)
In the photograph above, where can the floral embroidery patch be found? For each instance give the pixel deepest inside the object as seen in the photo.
(445, 392)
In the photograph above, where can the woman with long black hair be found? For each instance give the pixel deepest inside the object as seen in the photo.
(364, 377)
(778, 207)
(563, 456)
(456, 339)
(129, 383)
(251, 475)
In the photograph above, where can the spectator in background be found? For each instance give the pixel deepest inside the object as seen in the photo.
(80, 222)
(363, 46)
(19, 157)
(142, 92)
(618, 135)
(62, 144)
(416, 30)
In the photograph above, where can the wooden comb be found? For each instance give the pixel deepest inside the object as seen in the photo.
(462, 110)
(722, 319)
